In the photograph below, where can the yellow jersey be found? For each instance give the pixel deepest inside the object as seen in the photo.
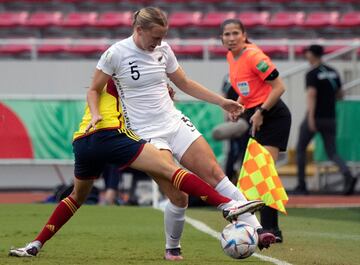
(110, 110)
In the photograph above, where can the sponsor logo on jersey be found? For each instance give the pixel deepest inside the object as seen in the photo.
(244, 88)
(262, 66)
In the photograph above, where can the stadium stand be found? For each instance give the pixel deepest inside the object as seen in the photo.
(111, 19)
(321, 19)
(349, 20)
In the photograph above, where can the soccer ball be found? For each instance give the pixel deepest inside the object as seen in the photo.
(239, 240)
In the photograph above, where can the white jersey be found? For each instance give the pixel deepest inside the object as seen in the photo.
(141, 80)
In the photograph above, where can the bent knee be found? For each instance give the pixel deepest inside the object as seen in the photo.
(79, 198)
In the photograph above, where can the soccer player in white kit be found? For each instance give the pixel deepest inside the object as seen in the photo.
(140, 67)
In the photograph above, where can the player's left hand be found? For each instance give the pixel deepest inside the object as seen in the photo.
(94, 120)
(256, 121)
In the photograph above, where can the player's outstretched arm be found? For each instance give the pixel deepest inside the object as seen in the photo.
(198, 91)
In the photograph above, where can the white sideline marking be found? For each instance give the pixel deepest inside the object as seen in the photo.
(207, 230)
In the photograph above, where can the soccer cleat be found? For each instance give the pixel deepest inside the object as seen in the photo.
(278, 236)
(30, 250)
(231, 213)
(173, 254)
(265, 239)
(350, 184)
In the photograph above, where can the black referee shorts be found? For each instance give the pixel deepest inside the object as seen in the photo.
(275, 129)
(94, 151)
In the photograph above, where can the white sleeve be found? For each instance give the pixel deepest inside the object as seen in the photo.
(109, 61)
(171, 63)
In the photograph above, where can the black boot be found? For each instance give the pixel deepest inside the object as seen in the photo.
(350, 183)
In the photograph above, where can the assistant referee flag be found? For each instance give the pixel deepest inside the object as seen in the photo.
(259, 179)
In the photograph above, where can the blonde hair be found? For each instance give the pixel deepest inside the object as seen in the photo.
(148, 17)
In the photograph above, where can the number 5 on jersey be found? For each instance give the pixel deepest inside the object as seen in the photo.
(135, 74)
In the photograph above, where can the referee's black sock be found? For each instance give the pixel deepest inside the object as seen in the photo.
(269, 219)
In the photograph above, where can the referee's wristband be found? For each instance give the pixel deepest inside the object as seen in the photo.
(262, 111)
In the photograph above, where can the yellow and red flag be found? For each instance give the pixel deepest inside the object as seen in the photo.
(259, 179)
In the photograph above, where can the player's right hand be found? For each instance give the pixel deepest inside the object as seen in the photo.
(94, 120)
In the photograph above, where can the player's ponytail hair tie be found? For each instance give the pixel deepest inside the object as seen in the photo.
(135, 17)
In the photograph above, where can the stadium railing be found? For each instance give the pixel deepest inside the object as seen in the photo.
(208, 47)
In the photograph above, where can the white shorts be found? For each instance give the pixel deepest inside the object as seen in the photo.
(178, 140)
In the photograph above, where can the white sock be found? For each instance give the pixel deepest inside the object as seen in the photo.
(174, 219)
(226, 188)
(37, 244)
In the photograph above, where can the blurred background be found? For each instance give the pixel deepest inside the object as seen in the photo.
(49, 50)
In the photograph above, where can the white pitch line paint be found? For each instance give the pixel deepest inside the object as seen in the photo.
(206, 229)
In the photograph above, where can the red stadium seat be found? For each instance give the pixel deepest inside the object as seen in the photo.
(44, 49)
(270, 50)
(218, 51)
(245, 1)
(105, 1)
(321, 19)
(86, 49)
(13, 19)
(214, 19)
(177, 1)
(142, 1)
(254, 19)
(315, 1)
(275, 50)
(51, 49)
(37, 1)
(184, 19)
(210, 1)
(79, 19)
(286, 19)
(114, 19)
(349, 20)
(72, 1)
(188, 50)
(44, 19)
(15, 49)
(333, 48)
(299, 50)
(279, 1)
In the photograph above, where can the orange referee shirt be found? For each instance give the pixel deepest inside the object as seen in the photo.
(248, 73)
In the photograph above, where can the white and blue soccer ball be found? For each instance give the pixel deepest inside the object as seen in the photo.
(239, 240)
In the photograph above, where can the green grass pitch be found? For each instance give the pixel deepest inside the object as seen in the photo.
(134, 235)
